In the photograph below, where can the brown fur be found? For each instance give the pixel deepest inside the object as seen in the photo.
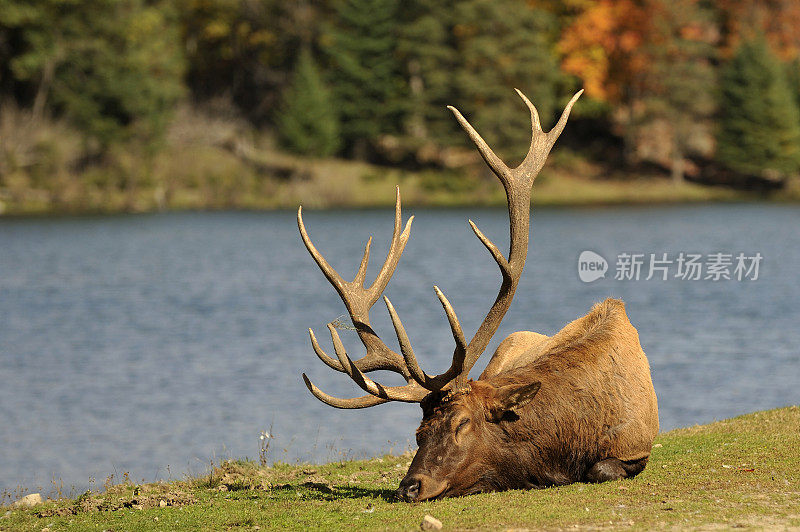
(578, 406)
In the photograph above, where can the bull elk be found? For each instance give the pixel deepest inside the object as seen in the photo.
(577, 406)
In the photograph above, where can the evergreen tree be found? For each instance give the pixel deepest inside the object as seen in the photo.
(430, 58)
(365, 71)
(501, 45)
(472, 55)
(307, 123)
(759, 126)
(680, 81)
(113, 67)
(793, 76)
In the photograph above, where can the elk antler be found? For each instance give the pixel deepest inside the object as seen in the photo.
(517, 183)
(358, 299)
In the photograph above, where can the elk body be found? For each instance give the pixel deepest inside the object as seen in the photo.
(577, 406)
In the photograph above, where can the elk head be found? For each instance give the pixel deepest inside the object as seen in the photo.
(461, 418)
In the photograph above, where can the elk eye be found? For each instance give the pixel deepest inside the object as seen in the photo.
(462, 424)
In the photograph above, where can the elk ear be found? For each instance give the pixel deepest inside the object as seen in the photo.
(509, 398)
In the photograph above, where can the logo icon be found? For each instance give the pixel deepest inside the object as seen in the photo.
(591, 266)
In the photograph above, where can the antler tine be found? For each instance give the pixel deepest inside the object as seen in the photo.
(505, 268)
(405, 346)
(494, 162)
(553, 134)
(437, 382)
(536, 125)
(361, 274)
(334, 278)
(409, 393)
(396, 248)
(541, 142)
(455, 326)
(357, 402)
(330, 362)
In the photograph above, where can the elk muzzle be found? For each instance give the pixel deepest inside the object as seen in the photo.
(418, 487)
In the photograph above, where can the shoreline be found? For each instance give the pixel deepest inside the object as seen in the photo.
(203, 178)
(586, 194)
(739, 472)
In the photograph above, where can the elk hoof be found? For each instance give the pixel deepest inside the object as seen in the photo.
(614, 469)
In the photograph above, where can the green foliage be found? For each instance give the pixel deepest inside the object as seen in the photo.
(308, 124)
(110, 72)
(113, 67)
(679, 87)
(428, 52)
(365, 70)
(793, 77)
(759, 128)
(235, 50)
(503, 44)
(472, 55)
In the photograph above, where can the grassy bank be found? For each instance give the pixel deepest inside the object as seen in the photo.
(739, 473)
(224, 172)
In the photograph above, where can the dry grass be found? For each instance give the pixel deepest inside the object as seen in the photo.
(213, 160)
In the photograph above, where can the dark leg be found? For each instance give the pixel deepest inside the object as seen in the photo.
(613, 469)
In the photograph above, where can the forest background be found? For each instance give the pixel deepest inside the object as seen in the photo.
(139, 105)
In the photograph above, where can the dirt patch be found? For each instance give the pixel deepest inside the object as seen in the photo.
(142, 498)
(234, 476)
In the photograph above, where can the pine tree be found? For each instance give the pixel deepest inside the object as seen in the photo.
(472, 55)
(759, 120)
(502, 45)
(366, 71)
(679, 82)
(793, 76)
(430, 57)
(307, 123)
(113, 67)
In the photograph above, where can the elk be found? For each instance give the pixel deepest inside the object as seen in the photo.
(577, 406)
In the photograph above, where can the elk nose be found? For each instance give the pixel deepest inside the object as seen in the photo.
(409, 488)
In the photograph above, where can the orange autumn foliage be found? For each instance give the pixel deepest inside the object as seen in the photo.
(778, 20)
(604, 47)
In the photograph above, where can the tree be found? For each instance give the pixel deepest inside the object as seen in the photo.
(778, 20)
(793, 77)
(366, 72)
(307, 123)
(679, 83)
(428, 52)
(472, 55)
(503, 44)
(759, 129)
(113, 67)
(606, 47)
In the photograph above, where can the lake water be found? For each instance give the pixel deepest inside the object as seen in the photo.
(155, 344)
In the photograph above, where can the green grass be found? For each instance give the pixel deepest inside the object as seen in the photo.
(738, 473)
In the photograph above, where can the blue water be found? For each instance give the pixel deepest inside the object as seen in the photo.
(155, 344)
